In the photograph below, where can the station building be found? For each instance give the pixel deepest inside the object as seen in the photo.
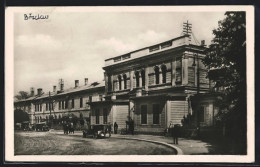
(154, 86)
(157, 86)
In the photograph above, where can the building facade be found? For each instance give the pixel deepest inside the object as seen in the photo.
(57, 104)
(154, 86)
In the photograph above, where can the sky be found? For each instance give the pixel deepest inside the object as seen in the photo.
(74, 45)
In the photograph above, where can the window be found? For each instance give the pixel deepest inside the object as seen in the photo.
(72, 103)
(47, 106)
(59, 105)
(81, 102)
(109, 83)
(125, 81)
(166, 44)
(164, 70)
(90, 98)
(156, 113)
(143, 114)
(105, 116)
(117, 59)
(156, 71)
(154, 48)
(137, 78)
(62, 104)
(51, 106)
(97, 116)
(178, 69)
(143, 77)
(126, 56)
(66, 104)
(119, 82)
(35, 107)
(40, 107)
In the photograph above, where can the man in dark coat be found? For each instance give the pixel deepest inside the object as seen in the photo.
(131, 126)
(115, 128)
(176, 133)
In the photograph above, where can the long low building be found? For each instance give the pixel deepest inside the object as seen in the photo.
(60, 103)
(154, 86)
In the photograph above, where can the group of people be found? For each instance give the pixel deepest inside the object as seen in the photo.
(68, 127)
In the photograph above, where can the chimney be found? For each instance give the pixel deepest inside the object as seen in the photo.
(76, 83)
(202, 42)
(39, 91)
(32, 91)
(54, 88)
(86, 81)
(61, 82)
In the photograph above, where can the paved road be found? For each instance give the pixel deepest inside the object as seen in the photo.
(56, 143)
(188, 146)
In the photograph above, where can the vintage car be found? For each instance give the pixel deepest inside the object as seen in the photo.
(26, 126)
(98, 131)
(42, 126)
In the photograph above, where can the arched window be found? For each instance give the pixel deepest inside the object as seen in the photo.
(156, 71)
(125, 81)
(119, 82)
(164, 69)
(143, 77)
(137, 78)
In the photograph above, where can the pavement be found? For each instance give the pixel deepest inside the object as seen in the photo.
(185, 146)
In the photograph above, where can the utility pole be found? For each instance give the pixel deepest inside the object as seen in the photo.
(187, 29)
(196, 56)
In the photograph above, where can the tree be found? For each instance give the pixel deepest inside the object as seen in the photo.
(22, 95)
(20, 116)
(226, 60)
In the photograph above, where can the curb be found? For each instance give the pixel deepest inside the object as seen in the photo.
(178, 150)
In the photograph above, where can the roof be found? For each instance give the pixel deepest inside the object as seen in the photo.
(185, 35)
(66, 91)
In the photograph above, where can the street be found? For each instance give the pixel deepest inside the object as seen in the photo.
(47, 143)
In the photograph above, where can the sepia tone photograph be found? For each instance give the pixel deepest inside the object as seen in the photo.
(130, 82)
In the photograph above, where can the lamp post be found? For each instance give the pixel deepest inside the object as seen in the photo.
(196, 57)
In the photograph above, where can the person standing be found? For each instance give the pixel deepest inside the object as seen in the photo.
(176, 133)
(115, 128)
(131, 126)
